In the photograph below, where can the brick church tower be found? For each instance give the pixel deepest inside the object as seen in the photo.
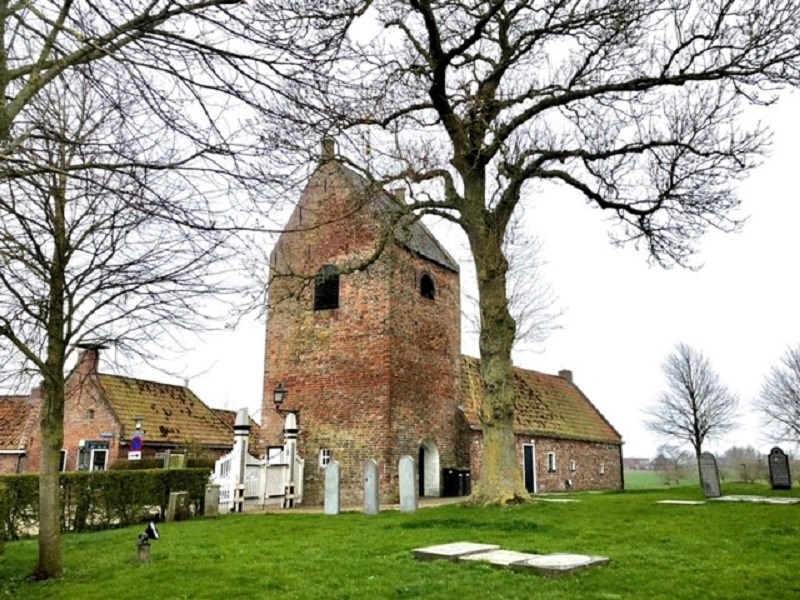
(366, 343)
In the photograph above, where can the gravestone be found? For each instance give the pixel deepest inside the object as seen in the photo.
(408, 485)
(178, 506)
(709, 475)
(332, 488)
(371, 488)
(779, 476)
(211, 504)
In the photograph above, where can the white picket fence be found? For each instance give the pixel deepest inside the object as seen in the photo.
(265, 480)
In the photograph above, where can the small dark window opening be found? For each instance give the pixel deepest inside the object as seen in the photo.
(326, 288)
(426, 287)
(90, 413)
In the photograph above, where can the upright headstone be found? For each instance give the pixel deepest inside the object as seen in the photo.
(211, 505)
(178, 506)
(371, 488)
(332, 489)
(408, 485)
(709, 475)
(779, 476)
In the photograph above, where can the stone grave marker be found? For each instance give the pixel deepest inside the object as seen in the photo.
(178, 506)
(332, 488)
(372, 494)
(779, 476)
(557, 565)
(408, 485)
(499, 557)
(211, 504)
(452, 551)
(709, 475)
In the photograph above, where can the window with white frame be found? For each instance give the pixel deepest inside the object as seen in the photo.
(62, 463)
(551, 462)
(572, 465)
(324, 457)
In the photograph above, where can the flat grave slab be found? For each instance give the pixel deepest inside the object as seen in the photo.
(558, 565)
(682, 502)
(758, 499)
(452, 551)
(500, 558)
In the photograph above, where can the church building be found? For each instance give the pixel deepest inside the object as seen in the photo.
(364, 334)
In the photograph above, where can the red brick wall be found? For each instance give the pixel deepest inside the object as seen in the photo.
(375, 377)
(425, 338)
(83, 395)
(588, 457)
(334, 363)
(8, 463)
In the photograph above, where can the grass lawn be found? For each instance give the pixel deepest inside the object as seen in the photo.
(717, 550)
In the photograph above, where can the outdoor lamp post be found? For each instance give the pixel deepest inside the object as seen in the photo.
(278, 396)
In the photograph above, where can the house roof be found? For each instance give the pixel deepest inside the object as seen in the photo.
(17, 419)
(228, 417)
(545, 405)
(172, 413)
(413, 235)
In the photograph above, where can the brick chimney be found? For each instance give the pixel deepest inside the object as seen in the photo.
(566, 375)
(89, 358)
(36, 397)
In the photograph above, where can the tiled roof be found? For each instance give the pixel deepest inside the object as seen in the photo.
(228, 417)
(545, 405)
(17, 419)
(171, 413)
(414, 236)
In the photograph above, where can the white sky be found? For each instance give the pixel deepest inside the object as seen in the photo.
(623, 316)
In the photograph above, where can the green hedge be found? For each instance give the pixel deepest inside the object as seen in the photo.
(98, 500)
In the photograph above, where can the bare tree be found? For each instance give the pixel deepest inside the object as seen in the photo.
(779, 401)
(533, 303)
(745, 462)
(671, 462)
(86, 256)
(696, 406)
(633, 104)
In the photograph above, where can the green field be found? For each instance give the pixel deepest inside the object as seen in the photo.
(717, 550)
(652, 480)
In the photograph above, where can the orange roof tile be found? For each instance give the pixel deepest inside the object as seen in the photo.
(545, 405)
(171, 413)
(17, 419)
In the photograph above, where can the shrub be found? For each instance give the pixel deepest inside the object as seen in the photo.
(137, 465)
(100, 499)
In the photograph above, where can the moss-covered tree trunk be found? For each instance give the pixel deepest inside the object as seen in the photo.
(501, 476)
(52, 431)
(52, 414)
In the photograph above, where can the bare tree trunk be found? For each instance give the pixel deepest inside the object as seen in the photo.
(501, 478)
(52, 427)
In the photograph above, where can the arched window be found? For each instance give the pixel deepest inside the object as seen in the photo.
(426, 287)
(326, 288)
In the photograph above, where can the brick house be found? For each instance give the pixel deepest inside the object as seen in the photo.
(101, 412)
(19, 420)
(368, 345)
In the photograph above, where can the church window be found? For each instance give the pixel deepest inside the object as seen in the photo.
(602, 468)
(551, 462)
(426, 287)
(326, 288)
(573, 465)
(90, 413)
(324, 457)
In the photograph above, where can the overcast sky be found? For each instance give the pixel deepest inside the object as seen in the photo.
(622, 316)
